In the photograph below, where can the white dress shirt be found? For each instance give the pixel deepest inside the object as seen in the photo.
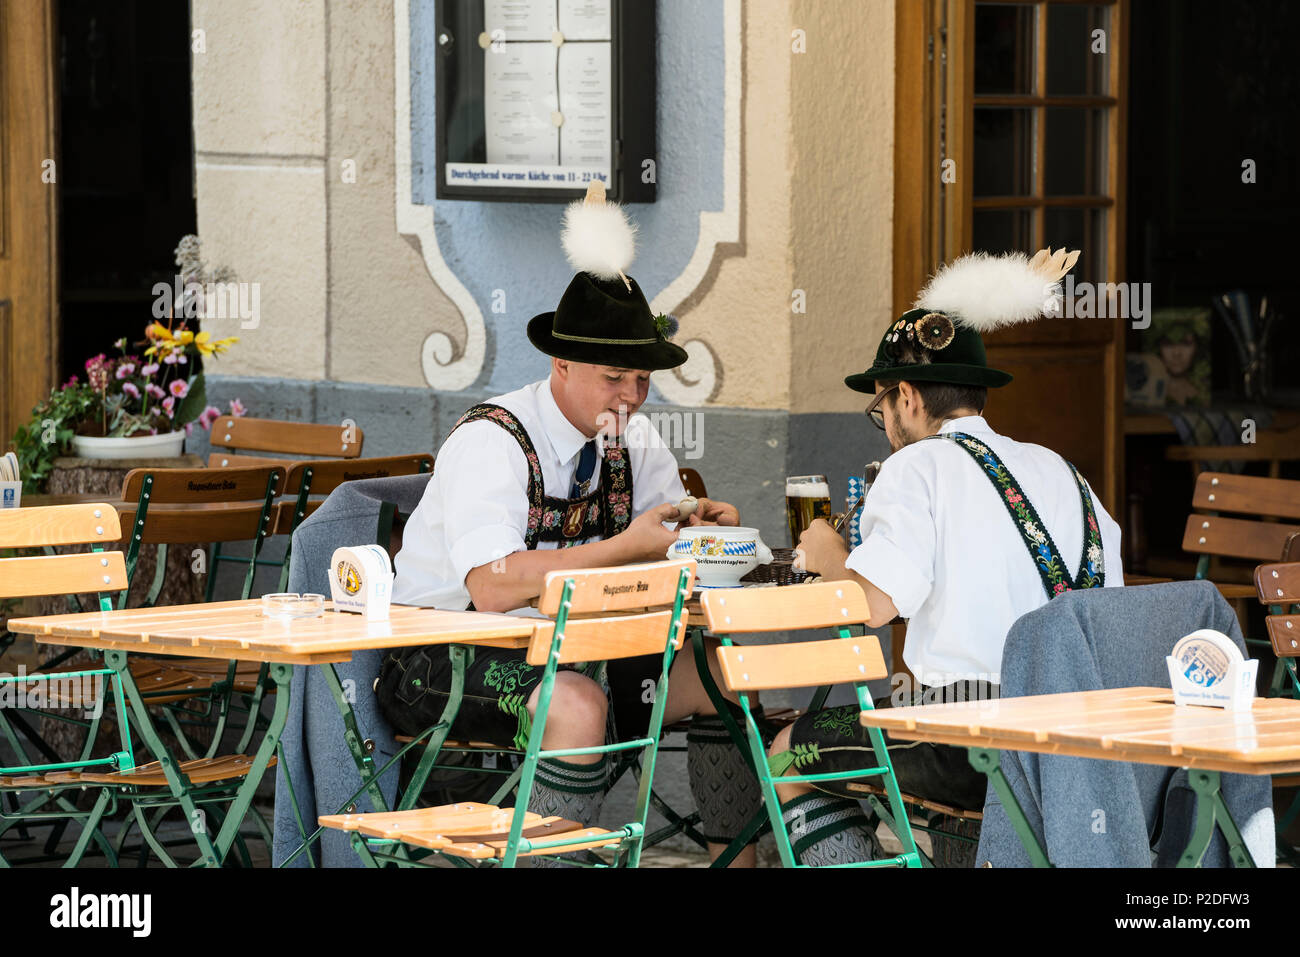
(937, 539)
(475, 508)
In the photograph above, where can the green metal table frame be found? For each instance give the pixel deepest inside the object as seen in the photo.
(1211, 811)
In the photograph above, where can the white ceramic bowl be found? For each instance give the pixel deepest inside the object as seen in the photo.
(723, 553)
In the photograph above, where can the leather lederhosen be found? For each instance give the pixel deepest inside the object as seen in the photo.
(413, 682)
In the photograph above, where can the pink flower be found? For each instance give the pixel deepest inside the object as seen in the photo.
(237, 408)
(71, 381)
(94, 362)
(208, 416)
(171, 358)
(124, 369)
(168, 405)
(189, 428)
(179, 388)
(154, 391)
(130, 389)
(150, 369)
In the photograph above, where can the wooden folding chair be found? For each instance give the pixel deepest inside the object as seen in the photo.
(279, 442)
(204, 506)
(187, 506)
(1256, 535)
(1278, 587)
(693, 483)
(489, 834)
(319, 477)
(97, 571)
(836, 605)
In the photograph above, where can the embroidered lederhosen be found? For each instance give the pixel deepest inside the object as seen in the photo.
(1047, 558)
(413, 682)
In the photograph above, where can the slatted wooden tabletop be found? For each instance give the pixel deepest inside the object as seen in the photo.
(237, 630)
(1120, 724)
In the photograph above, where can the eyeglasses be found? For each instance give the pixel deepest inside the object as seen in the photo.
(877, 414)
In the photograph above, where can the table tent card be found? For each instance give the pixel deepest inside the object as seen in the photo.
(1207, 668)
(361, 580)
(11, 484)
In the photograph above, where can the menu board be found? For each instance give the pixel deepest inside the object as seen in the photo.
(547, 99)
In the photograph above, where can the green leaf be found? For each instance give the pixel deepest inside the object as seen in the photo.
(195, 401)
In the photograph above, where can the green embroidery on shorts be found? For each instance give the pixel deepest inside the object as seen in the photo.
(517, 705)
(842, 721)
(799, 756)
(506, 676)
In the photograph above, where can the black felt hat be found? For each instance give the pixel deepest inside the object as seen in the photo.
(603, 317)
(940, 339)
(604, 322)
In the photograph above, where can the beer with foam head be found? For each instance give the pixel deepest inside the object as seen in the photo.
(807, 498)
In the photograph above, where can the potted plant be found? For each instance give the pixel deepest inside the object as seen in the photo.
(130, 406)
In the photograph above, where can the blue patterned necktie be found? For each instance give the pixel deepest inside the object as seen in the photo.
(586, 467)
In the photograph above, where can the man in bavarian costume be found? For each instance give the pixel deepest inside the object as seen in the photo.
(963, 531)
(530, 482)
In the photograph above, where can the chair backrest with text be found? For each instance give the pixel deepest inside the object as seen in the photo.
(213, 505)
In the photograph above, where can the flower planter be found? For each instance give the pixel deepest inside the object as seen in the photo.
(164, 446)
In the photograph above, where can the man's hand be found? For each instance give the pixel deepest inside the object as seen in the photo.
(646, 539)
(709, 512)
(821, 550)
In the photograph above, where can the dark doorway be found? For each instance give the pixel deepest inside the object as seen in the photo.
(1212, 86)
(126, 181)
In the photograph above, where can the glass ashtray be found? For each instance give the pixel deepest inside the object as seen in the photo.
(292, 605)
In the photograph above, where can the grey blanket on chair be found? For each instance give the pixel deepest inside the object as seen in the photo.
(317, 761)
(1090, 813)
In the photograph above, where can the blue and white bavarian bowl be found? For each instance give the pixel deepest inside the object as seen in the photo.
(723, 553)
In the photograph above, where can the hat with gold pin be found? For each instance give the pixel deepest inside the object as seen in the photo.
(940, 338)
(603, 317)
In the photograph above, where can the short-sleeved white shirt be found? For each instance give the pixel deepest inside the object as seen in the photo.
(937, 539)
(475, 508)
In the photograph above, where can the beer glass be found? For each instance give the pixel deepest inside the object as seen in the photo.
(807, 498)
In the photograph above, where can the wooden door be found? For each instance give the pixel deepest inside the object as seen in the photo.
(1009, 135)
(28, 185)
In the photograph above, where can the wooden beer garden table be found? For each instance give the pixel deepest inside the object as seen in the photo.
(237, 631)
(1142, 725)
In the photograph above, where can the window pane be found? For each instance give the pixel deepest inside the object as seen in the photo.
(1002, 230)
(1004, 151)
(1082, 229)
(1072, 66)
(1004, 48)
(1075, 152)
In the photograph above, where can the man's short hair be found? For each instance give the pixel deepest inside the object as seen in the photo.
(941, 399)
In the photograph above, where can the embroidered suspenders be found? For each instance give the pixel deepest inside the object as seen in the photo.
(604, 513)
(1047, 558)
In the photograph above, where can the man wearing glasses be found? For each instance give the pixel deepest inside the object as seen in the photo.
(964, 531)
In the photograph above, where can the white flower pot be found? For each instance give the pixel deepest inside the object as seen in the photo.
(164, 446)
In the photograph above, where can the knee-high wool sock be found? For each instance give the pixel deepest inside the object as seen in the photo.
(574, 792)
(725, 789)
(826, 829)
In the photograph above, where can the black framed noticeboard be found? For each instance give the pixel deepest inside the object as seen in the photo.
(536, 98)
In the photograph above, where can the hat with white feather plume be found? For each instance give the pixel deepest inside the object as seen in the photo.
(940, 338)
(603, 317)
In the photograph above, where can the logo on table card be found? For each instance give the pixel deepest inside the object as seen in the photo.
(73, 910)
(349, 577)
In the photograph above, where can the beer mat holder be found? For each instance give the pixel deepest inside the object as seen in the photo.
(781, 571)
